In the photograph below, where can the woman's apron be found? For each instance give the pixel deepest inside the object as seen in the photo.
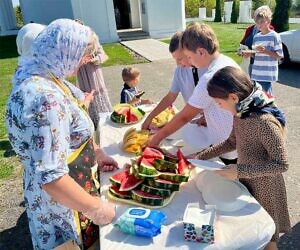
(83, 169)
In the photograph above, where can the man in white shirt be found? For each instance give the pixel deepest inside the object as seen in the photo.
(202, 49)
(184, 81)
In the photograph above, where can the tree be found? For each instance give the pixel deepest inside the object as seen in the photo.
(192, 8)
(258, 3)
(280, 19)
(218, 16)
(235, 11)
(19, 16)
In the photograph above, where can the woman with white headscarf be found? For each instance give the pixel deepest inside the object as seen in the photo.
(52, 135)
(26, 36)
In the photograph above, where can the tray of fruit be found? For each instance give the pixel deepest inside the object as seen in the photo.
(125, 113)
(151, 180)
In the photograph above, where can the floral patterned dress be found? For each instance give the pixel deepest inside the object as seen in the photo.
(45, 126)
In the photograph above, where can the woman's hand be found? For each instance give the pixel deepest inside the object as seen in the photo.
(88, 98)
(229, 172)
(101, 213)
(106, 163)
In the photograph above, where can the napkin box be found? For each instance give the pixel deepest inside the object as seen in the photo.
(198, 223)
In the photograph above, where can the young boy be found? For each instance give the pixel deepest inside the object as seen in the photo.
(130, 93)
(201, 46)
(268, 45)
(184, 80)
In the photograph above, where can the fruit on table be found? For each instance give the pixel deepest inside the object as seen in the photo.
(115, 191)
(134, 140)
(126, 114)
(146, 198)
(151, 178)
(163, 118)
(125, 181)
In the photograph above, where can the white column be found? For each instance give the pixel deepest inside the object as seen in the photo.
(227, 11)
(7, 16)
(202, 13)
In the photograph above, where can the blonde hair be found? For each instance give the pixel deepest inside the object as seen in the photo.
(129, 74)
(92, 46)
(263, 12)
(200, 35)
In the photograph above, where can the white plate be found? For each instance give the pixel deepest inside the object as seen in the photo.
(207, 165)
(196, 136)
(147, 107)
(226, 195)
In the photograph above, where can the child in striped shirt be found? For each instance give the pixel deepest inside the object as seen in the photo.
(268, 46)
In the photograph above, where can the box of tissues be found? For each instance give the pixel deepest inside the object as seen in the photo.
(199, 223)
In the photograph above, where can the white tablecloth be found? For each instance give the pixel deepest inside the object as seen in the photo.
(249, 228)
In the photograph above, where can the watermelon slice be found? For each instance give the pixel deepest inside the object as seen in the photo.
(120, 194)
(183, 165)
(117, 178)
(130, 182)
(125, 180)
(126, 113)
(166, 166)
(146, 169)
(145, 198)
(174, 177)
(151, 154)
(156, 191)
(164, 184)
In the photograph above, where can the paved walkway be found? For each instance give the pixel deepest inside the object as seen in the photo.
(152, 50)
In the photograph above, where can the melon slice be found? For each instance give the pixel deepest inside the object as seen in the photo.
(120, 194)
(156, 191)
(145, 198)
(164, 184)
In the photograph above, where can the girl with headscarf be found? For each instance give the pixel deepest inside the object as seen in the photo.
(89, 78)
(259, 138)
(52, 135)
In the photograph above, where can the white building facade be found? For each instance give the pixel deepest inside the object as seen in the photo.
(156, 17)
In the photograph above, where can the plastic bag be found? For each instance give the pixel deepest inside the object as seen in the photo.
(245, 64)
(141, 221)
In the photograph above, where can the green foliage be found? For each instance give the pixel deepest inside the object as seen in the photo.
(235, 11)
(192, 8)
(19, 17)
(218, 16)
(257, 3)
(280, 18)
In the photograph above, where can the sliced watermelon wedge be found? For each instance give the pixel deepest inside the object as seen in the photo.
(183, 165)
(120, 194)
(145, 198)
(151, 154)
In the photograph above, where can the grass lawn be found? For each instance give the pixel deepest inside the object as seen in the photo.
(229, 36)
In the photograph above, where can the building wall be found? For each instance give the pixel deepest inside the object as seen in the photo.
(8, 23)
(163, 18)
(99, 15)
(45, 11)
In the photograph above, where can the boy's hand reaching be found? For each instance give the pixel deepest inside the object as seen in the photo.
(147, 101)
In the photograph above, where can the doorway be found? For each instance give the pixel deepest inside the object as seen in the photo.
(122, 14)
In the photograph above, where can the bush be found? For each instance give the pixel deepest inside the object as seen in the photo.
(280, 19)
(192, 8)
(235, 11)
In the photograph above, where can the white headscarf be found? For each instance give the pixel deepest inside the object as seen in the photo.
(25, 38)
(58, 48)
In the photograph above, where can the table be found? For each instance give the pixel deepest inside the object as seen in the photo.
(249, 228)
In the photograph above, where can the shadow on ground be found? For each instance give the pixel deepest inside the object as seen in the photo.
(289, 75)
(5, 145)
(17, 237)
(290, 241)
